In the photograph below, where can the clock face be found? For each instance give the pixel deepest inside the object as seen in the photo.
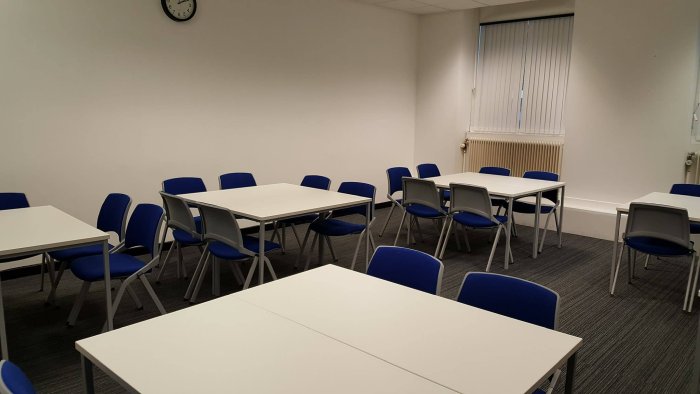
(179, 10)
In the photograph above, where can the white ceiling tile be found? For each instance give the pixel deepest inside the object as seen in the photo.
(429, 9)
(435, 6)
(455, 4)
(403, 4)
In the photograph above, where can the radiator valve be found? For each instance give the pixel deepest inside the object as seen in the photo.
(690, 158)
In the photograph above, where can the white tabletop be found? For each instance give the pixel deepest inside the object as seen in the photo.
(464, 348)
(228, 345)
(498, 185)
(690, 203)
(276, 201)
(37, 229)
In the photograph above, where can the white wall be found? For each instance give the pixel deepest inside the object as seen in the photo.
(446, 47)
(101, 96)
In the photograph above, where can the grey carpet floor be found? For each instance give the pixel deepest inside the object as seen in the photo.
(636, 342)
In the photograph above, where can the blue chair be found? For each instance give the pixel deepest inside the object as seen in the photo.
(185, 231)
(662, 231)
(394, 176)
(421, 199)
(312, 181)
(13, 380)
(111, 218)
(550, 198)
(330, 226)
(224, 241)
(515, 298)
(141, 232)
(407, 267)
(495, 171)
(471, 207)
(430, 170)
(235, 180)
(184, 185)
(688, 189)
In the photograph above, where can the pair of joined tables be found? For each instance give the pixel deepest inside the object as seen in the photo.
(511, 189)
(330, 330)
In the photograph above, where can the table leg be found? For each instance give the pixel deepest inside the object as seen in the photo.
(616, 236)
(261, 254)
(88, 379)
(108, 286)
(367, 222)
(696, 367)
(509, 228)
(570, 372)
(561, 215)
(3, 334)
(535, 237)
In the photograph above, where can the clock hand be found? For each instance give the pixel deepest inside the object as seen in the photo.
(182, 1)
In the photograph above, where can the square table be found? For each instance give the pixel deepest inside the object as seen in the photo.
(28, 231)
(466, 349)
(268, 203)
(511, 188)
(689, 203)
(229, 345)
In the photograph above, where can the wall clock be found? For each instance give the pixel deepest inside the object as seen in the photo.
(179, 10)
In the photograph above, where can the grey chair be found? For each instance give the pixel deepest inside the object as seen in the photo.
(471, 207)
(663, 231)
(184, 228)
(224, 241)
(421, 199)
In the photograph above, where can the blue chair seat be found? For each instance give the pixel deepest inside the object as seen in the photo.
(335, 227)
(656, 246)
(526, 207)
(223, 251)
(77, 252)
(184, 238)
(300, 219)
(476, 221)
(198, 223)
(695, 228)
(424, 211)
(446, 195)
(91, 268)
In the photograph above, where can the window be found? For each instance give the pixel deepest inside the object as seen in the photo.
(521, 76)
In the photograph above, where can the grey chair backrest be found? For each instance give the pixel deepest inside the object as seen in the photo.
(178, 214)
(470, 198)
(659, 221)
(421, 191)
(219, 224)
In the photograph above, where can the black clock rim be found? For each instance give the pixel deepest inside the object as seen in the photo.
(171, 16)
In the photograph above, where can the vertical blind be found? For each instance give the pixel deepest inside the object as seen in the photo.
(522, 72)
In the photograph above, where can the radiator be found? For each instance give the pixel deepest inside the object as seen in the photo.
(692, 168)
(518, 155)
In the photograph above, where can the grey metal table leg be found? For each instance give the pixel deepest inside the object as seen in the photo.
(3, 333)
(88, 378)
(570, 372)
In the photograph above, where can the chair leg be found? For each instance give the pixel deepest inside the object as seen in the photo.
(439, 242)
(311, 248)
(296, 235)
(408, 231)
(514, 227)
(544, 233)
(73, 315)
(693, 292)
(215, 276)
(134, 297)
(386, 222)
(301, 249)
(52, 294)
(455, 231)
(165, 261)
(330, 248)
(617, 270)
(447, 233)
(629, 265)
(634, 264)
(269, 267)
(200, 279)
(398, 232)
(251, 271)
(466, 239)
(357, 249)
(646, 262)
(418, 231)
(283, 241)
(237, 273)
(372, 244)
(179, 260)
(195, 276)
(493, 248)
(43, 269)
(152, 293)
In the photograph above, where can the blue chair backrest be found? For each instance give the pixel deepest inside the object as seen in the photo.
(686, 189)
(552, 195)
(512, 297)
(112, 216)
(235, 180)
(356, 189)
(13, 380)
(407, 267)
(495, 171)
(184, 185)
(427, 170)
(144, 227)
(395, 176)
(13, 201)
(316, 182)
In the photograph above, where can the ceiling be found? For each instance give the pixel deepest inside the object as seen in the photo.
(435, 6)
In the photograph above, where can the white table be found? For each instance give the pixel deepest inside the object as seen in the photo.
(229, 345)
(28, 231)
(689, 203)
(330, 330)
(510, 188)
(268, 203)
(464, 348)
